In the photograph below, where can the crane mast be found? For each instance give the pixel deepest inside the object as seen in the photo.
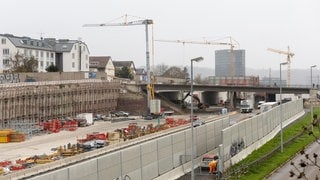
(289, 55)
(145, 22)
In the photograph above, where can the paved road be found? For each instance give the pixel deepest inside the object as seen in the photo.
(199, 175)
(311, 171)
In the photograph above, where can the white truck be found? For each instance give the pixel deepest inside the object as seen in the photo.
(88, 117)
(246, 106)
(267, 106)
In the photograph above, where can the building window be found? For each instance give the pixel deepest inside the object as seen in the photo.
(47, 63)
(86, 57)
(51, 55)
(47, 55)
(87, 66)
(3, 41)
(37, 53)
(73, 65)
(75, 47)
(72, 55)
(6, 62)
(30, 53)
(25, 52)
(5, 51)
(41, 54)
(41, 64)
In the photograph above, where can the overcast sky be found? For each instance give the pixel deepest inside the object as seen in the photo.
(256, 25)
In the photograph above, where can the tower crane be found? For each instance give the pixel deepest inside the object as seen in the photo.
(205, 42)
(140, 21)
(289, 56)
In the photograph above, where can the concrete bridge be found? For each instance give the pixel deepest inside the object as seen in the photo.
(224, 88)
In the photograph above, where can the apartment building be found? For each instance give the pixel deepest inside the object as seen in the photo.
(67, 55)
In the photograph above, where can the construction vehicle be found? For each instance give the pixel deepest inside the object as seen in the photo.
(246, 106)
(199, 104)
(289, 56)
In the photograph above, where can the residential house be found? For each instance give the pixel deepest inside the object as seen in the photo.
(118, 65)
(102, 64)
(71, 55)
(67, 55)
(141, 75)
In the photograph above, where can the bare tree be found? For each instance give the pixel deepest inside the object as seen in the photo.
(160, 69)
(307, 160)
(20, 63)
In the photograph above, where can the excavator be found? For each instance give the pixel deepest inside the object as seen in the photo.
(199, 104)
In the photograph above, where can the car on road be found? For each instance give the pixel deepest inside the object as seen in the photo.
(260, 103)
(120, 114)
(198, 122)
(206, 159)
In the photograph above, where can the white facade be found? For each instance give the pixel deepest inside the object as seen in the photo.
(70, 53)
(7, 50)
(79, 54)
(110, 71)
(102, 64)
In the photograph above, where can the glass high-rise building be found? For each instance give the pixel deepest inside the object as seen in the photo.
(222, 63)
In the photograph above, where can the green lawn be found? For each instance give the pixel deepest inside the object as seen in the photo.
(261, 170)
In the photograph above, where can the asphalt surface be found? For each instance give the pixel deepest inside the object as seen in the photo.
(199, 175)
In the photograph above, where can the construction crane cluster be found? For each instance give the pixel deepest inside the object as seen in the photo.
(146, 23)
(150, 79)
(289, 55)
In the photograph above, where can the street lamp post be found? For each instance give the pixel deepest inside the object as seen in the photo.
(311, 74)
(191, 116)
(281, 113)
(311, 107)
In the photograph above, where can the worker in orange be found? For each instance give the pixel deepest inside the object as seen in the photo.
(213, 165)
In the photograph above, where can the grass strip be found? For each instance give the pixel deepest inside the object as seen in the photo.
(265, 167)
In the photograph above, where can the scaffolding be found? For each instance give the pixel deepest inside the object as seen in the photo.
(25, 106)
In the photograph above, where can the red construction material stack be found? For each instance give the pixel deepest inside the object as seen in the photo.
(17, 167)
(5, 163)
(170, 121)
(53, 125)
(181, 121)
(93, 136)
(70, 125)
(97, 135)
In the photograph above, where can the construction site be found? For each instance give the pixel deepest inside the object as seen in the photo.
(25, 107)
